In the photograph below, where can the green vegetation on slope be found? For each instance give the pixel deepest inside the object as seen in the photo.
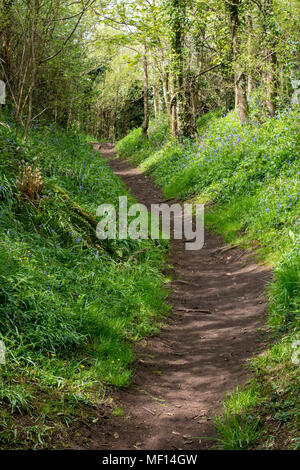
(70, 305)
(251, 174)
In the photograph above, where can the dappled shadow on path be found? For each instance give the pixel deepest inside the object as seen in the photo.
(183, 373)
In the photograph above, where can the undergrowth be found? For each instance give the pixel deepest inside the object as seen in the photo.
(250, 176)
(71, 306)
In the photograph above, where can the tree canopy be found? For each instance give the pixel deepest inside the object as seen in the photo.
(106, 66)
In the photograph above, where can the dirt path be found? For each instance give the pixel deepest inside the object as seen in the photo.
(184, 372)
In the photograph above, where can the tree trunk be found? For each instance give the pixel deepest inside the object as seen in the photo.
(116, 104)
(241, 102)
(165, 81)
(194, 84)
(4, 36)
(271, 92)
(145, 124)
(32, 77)
(156, 102)
(250, 53)
(270, 57)
(177, 39)
(173, 112)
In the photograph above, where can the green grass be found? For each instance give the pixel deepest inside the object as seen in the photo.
(250, 176)
(71, 307)
(238, 432)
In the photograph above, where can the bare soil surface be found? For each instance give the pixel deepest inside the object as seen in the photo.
(182, 374)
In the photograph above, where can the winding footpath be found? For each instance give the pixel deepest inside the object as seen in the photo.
(182, 374)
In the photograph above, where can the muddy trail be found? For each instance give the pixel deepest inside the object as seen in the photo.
(182, 374)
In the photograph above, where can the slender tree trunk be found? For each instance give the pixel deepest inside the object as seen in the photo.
(195, 100)
(166, 93)
(145, 124)
(156, 102)
(271, 92)
(32, 78)
(270, 57)
(116, 104)
(241, 102)
(194, 84)
(173, 111)
(250, 53)
(4, 35)
(177, 39)
(182, 122)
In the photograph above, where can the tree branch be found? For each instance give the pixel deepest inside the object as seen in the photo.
(70, 35)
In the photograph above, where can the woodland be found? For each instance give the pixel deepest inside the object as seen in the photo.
(203, 98)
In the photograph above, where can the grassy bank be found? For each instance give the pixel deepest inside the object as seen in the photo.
(71, 306)
(250, 175)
